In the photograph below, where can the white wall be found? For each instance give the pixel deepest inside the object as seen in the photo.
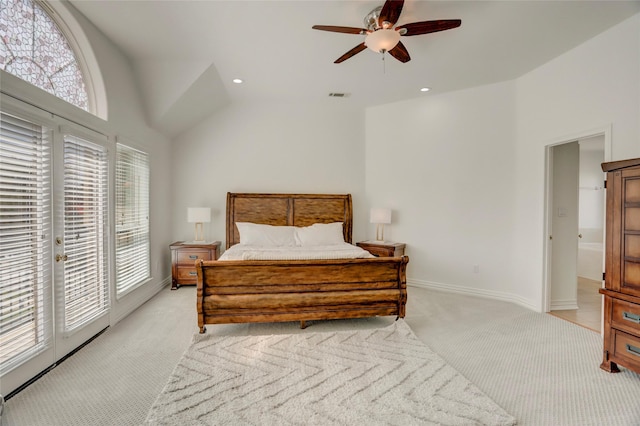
(267, 148)
(464, 172)
(444, 164)
(592, 86)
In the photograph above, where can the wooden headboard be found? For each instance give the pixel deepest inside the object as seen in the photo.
(288, 209)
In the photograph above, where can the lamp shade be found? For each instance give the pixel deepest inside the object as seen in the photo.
(382, 40)
(378, 215)
(198, 214)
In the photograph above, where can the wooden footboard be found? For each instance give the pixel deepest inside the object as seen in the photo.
(276, 291)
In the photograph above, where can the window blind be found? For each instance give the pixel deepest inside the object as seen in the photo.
(86, 290)
(132, 218)
(25, 240)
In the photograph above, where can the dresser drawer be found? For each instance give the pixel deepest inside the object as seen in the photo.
(626, 316)
(187, 275)
(627, 350)
(188, 257)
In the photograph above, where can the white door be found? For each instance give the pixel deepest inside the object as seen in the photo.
(81, 285)
(26, 284)
(53, 244)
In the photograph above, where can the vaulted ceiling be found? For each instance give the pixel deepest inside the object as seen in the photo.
(186, 53)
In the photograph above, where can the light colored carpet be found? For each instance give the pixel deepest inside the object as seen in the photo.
(382, 376)
(541, 369)
(544, 370)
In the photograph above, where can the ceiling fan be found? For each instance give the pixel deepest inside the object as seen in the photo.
(381, 37)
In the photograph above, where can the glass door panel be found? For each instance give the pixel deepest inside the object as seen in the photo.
(82, 279)
(26, 319)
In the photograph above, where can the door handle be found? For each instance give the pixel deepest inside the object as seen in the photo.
(62, 257)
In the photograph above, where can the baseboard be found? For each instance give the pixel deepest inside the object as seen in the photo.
(563, 305)
(489, 294)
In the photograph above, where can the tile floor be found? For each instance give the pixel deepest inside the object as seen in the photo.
(589, 312)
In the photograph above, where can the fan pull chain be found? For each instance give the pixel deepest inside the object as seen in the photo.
(384, 64)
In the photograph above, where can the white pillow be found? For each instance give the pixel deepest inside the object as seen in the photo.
(320, 234)
(256, 234)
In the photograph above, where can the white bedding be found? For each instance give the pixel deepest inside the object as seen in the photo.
(334, 251)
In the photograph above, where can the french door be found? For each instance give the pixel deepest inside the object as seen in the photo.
(54, 273)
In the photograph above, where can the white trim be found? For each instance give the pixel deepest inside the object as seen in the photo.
(94, 83)
(604, 130)
(564, 305)
(29, 94)
(546, 237)
(469, 291)
(135, 143)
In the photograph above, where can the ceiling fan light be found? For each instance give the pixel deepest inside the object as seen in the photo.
(382, 40)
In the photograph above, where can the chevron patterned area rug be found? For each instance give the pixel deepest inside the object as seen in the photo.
(381, 376)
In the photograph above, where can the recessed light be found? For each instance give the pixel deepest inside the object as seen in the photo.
(237, 80)
(425, 89)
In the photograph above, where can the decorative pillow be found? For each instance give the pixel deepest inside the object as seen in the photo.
(320, 234)
(256, 234)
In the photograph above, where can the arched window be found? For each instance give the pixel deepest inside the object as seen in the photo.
(33, 48)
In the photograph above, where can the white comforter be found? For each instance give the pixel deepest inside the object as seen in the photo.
(337, 251)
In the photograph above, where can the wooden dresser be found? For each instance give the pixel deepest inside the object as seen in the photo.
(183, 261)
(622, 267)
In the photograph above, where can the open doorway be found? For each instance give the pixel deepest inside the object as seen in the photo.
(575, 228)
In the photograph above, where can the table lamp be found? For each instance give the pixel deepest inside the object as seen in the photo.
(199, 215)
(380, 217)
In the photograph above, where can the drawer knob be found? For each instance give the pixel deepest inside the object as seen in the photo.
(633, 350)
(193, 274)
(631, 317)
(193, 256)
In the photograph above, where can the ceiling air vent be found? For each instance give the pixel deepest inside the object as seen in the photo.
(338, 95)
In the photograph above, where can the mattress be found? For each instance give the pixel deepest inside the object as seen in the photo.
(334, 251)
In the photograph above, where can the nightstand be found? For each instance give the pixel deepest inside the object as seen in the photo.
(183, 260)
(383, 248)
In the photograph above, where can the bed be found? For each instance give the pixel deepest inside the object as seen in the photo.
(243, 291)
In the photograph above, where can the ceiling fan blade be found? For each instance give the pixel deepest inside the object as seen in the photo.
(400, 53)
(346, 30)
(359, 48)
(426, 27)
(390, 12)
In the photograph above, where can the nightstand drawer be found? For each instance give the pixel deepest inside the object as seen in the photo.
(380, 251)
(188, 257)
(183, 261)
(187, 275)
(383, 249)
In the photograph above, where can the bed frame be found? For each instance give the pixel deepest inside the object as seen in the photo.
(241, 291)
